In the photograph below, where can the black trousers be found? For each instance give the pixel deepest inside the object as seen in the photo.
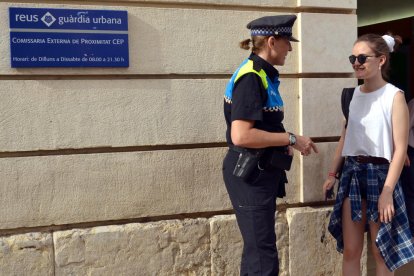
(407, 183)
(254, 203)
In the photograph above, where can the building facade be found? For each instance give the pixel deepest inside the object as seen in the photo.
(117, 171)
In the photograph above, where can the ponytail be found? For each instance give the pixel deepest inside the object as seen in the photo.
(245, 44)
(257, 42)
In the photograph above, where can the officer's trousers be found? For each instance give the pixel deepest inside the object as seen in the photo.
(407, 183)
(254, 204)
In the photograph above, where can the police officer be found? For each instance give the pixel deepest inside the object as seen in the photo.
(260, 149)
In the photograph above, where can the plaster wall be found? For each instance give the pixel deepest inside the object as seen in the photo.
(126, 162)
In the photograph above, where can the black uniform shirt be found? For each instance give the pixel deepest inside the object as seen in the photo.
(249, 98)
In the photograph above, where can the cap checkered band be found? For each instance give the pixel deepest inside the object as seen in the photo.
(267, 31)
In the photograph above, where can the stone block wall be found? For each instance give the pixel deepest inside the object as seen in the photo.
(117, 171)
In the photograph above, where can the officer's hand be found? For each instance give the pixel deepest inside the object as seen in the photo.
(305, 145)
(290, 151)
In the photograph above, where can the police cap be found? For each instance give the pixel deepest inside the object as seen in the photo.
(273, 25)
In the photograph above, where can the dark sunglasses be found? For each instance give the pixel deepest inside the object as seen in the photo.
(361, 58)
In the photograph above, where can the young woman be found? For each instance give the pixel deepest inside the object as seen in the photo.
(373, 148)
(258, 142)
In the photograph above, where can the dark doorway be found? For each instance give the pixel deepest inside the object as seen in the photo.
(402, 60)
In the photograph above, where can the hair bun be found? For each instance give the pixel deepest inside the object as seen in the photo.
(390, 42)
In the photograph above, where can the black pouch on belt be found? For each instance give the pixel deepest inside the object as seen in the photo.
(279, 160)
(247, 162)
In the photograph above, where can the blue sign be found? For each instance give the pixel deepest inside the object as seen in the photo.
(63, 19)
(68, 38)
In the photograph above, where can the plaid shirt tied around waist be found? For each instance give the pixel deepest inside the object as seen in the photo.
(394, 238)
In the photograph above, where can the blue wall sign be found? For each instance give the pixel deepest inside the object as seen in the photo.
(68, 38)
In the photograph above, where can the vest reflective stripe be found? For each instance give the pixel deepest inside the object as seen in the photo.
(248, 68)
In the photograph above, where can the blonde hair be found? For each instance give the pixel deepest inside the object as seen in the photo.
(257, 42)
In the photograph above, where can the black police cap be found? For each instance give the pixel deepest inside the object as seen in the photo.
(273, 25)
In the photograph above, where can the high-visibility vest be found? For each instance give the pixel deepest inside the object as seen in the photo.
(274, 100)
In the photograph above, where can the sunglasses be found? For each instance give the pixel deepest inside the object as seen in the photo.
(361, 58)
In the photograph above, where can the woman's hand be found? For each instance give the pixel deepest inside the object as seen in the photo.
(328, 185)
(305, 145)
(407, 162)
(386, 205)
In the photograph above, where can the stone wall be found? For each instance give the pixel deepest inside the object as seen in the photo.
(107, 171)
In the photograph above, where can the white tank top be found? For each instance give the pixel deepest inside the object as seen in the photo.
(369, 130)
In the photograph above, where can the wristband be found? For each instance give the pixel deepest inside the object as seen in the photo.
(332, 174)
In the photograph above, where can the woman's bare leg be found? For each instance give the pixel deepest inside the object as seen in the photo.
(353, 232)
(380, 268)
